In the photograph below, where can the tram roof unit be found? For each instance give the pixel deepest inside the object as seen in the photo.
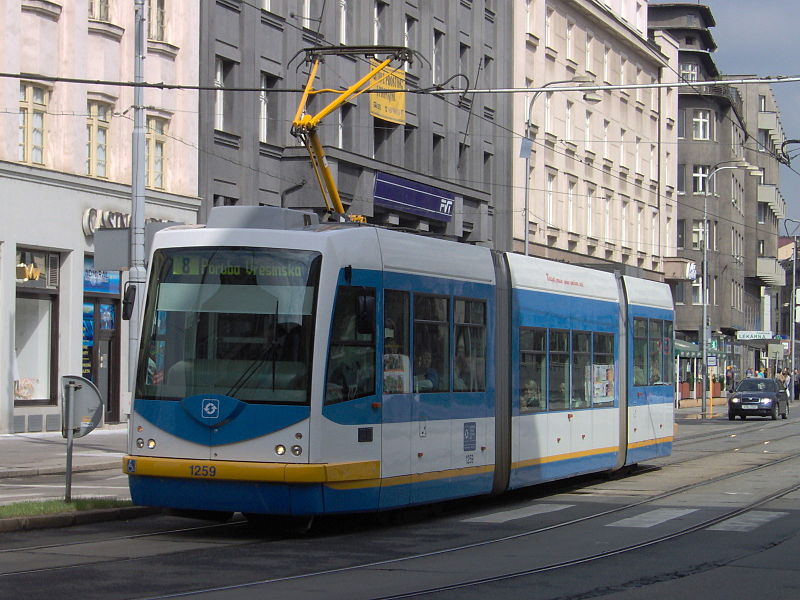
(539, 274)
(355, 244)
(652, 294)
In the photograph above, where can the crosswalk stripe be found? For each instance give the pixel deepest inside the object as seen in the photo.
(652, 518)
(747, 521)
(519, 513)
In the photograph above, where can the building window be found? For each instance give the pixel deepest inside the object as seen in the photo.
(437, 155)
(343, 21)
(156, 20)
(155, 152)
(437, 59)
(679, 232)
(681, 182)
(623, 227)
(223, 103)
(697, 234)
(548, 28)
(605, 139)
(410, 146)
(378, 25)
(701, 125)
(548, 120)
(762, 103)
(681, 123)
(98, 10)
(590, 213)
(568, 122)
(697, 291)
(35, 327)
(550, 208)
(409, 36)
(32, 110)
(700, 179)
(266, 116)
(220, 200)
(607, 219)
(382, 134)
(589, 55)
(762, 213)
(97, 138)
(571, 206)
(587, 134)
(606, 64)
(570, 41)
(689, 71)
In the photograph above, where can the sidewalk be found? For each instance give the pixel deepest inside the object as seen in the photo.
(30, 454)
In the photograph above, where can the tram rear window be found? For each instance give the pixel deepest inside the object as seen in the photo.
(232, 321)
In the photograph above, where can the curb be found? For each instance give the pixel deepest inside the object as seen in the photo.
(77, 518)
(59, 470)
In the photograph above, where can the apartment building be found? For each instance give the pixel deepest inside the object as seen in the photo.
(729, 203)
(65, 171)
(441, 167)
(595, 183)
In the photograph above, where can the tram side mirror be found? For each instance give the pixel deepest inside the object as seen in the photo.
(365, 313)
(128, 300)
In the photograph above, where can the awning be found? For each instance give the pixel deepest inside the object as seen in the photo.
(687, 349)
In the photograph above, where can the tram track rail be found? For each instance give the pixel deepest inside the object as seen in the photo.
(549, 567)
(222, 527)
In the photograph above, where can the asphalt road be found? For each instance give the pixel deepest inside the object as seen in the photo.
(718, 519)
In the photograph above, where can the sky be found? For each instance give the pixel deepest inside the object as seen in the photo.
(757, 37)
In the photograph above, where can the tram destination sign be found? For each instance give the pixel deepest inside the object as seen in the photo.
(754, 335)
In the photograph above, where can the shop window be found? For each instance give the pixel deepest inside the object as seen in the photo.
(35, 328)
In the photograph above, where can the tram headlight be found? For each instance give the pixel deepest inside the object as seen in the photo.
(151, 444)
(140, 443)
(280, 449)
(297, 450)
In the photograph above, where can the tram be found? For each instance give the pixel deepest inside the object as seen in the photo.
(291, 367)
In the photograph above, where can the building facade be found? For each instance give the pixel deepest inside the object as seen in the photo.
(729, 203)
(65, 170)
(450, 148)
(600, 182)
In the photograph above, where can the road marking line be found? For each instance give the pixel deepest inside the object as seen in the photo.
(519, 513)
(747, 521)
(652, 518)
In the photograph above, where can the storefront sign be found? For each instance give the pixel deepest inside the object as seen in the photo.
(754, 335)
(412, 197)
(96, 280)
(389, 106)
(94, 218)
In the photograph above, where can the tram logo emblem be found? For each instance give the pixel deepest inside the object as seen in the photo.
(210, 408)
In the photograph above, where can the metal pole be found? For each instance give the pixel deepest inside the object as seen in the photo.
(704, 291)
(70, 418)
(136, 275)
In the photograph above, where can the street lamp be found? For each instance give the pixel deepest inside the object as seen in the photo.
(793, 302)
(737, 164)
(526, 147)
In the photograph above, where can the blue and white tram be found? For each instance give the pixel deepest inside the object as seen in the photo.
(313, 369)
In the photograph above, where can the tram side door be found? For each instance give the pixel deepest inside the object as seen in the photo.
(396, 400)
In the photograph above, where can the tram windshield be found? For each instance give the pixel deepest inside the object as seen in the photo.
(231, 321)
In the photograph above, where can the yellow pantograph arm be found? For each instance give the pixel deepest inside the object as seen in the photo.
(305, 126)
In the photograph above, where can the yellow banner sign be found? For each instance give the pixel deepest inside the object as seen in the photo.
(389, 106)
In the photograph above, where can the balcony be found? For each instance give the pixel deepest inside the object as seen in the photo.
(769, 193)
(769, 121)
(769, 270)
(678, 268)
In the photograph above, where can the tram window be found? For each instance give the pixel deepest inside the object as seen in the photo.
(431, 344)
(559, 391)
(351, 360)
(532, 369)
(396, 348)
(667, 373)
(603, 370)
(469, 366)
(581, 367)
(640, 352)
(655, 347)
